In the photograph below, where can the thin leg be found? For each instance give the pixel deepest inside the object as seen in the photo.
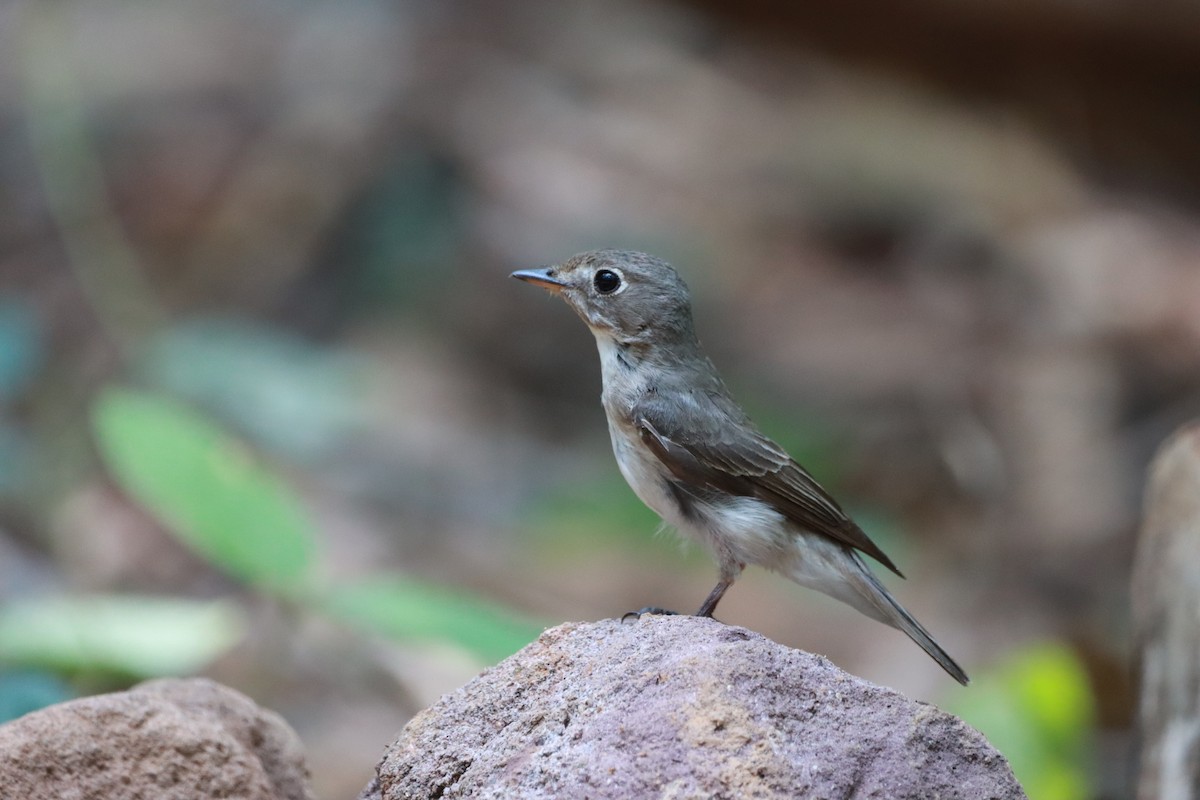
(714, 597)
(728, 576)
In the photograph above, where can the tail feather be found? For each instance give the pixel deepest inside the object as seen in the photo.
(875, 601)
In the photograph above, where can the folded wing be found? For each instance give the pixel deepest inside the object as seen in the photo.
(709, 442)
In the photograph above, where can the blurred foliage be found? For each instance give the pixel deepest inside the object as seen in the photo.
(22, 691)
(275, 387)
(134, 637)
(22, 353)
(595, 513)
(401, 239)
(406, 609)
(206, 487)
(15, 455)
(1037, 708)
(21, 348)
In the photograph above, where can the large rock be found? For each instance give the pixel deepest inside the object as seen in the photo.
(675, 707)
(162, 740)
(1166, 594)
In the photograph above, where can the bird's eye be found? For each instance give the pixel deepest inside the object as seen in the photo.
(606, 281)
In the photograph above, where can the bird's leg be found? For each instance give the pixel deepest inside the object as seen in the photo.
(710, 603)
(729, 573)
(728, 576)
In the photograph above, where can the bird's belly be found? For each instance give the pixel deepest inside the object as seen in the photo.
(646, 476)
(749, 530)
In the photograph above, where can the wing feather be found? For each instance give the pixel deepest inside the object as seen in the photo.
(710, 442)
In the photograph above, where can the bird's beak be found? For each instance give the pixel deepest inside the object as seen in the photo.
(540, 277)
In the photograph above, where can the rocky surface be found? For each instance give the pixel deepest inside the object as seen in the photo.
(162, 740)
(1166, 594)
(682, 707)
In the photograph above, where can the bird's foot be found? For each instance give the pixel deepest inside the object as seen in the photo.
(647, 610)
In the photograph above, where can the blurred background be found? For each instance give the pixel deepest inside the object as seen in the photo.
(272, 411)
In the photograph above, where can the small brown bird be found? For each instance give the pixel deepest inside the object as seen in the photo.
(692, 455)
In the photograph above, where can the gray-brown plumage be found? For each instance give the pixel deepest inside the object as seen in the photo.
(692, 455)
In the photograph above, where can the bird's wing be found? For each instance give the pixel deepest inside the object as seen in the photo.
(708, 441)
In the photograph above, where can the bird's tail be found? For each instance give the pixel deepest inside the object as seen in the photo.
(831, 567)
(871, 598)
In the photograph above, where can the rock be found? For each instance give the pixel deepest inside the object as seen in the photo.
(162, 740)
(674, 707)
(1166, 594)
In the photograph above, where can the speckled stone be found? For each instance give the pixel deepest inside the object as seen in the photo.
(682, 707)
(162, 740)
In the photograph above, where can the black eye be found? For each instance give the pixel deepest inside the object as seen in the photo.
(606, 281)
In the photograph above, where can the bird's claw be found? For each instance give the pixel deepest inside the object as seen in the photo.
(648, 610)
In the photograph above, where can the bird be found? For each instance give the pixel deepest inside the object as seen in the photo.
(690, 453)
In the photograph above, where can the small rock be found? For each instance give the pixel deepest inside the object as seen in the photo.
(682, 707)
(162, 740)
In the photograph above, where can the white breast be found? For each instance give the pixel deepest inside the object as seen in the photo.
(642, 471)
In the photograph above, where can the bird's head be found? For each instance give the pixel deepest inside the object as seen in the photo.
(627, 296)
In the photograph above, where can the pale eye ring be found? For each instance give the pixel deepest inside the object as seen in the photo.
(607, 281)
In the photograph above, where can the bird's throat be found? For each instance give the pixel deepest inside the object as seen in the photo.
(617, 357)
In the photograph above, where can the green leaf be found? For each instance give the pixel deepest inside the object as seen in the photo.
(206, 487)
(137, 636)
(1037, 709)
(1053, 687)
(401, 608)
